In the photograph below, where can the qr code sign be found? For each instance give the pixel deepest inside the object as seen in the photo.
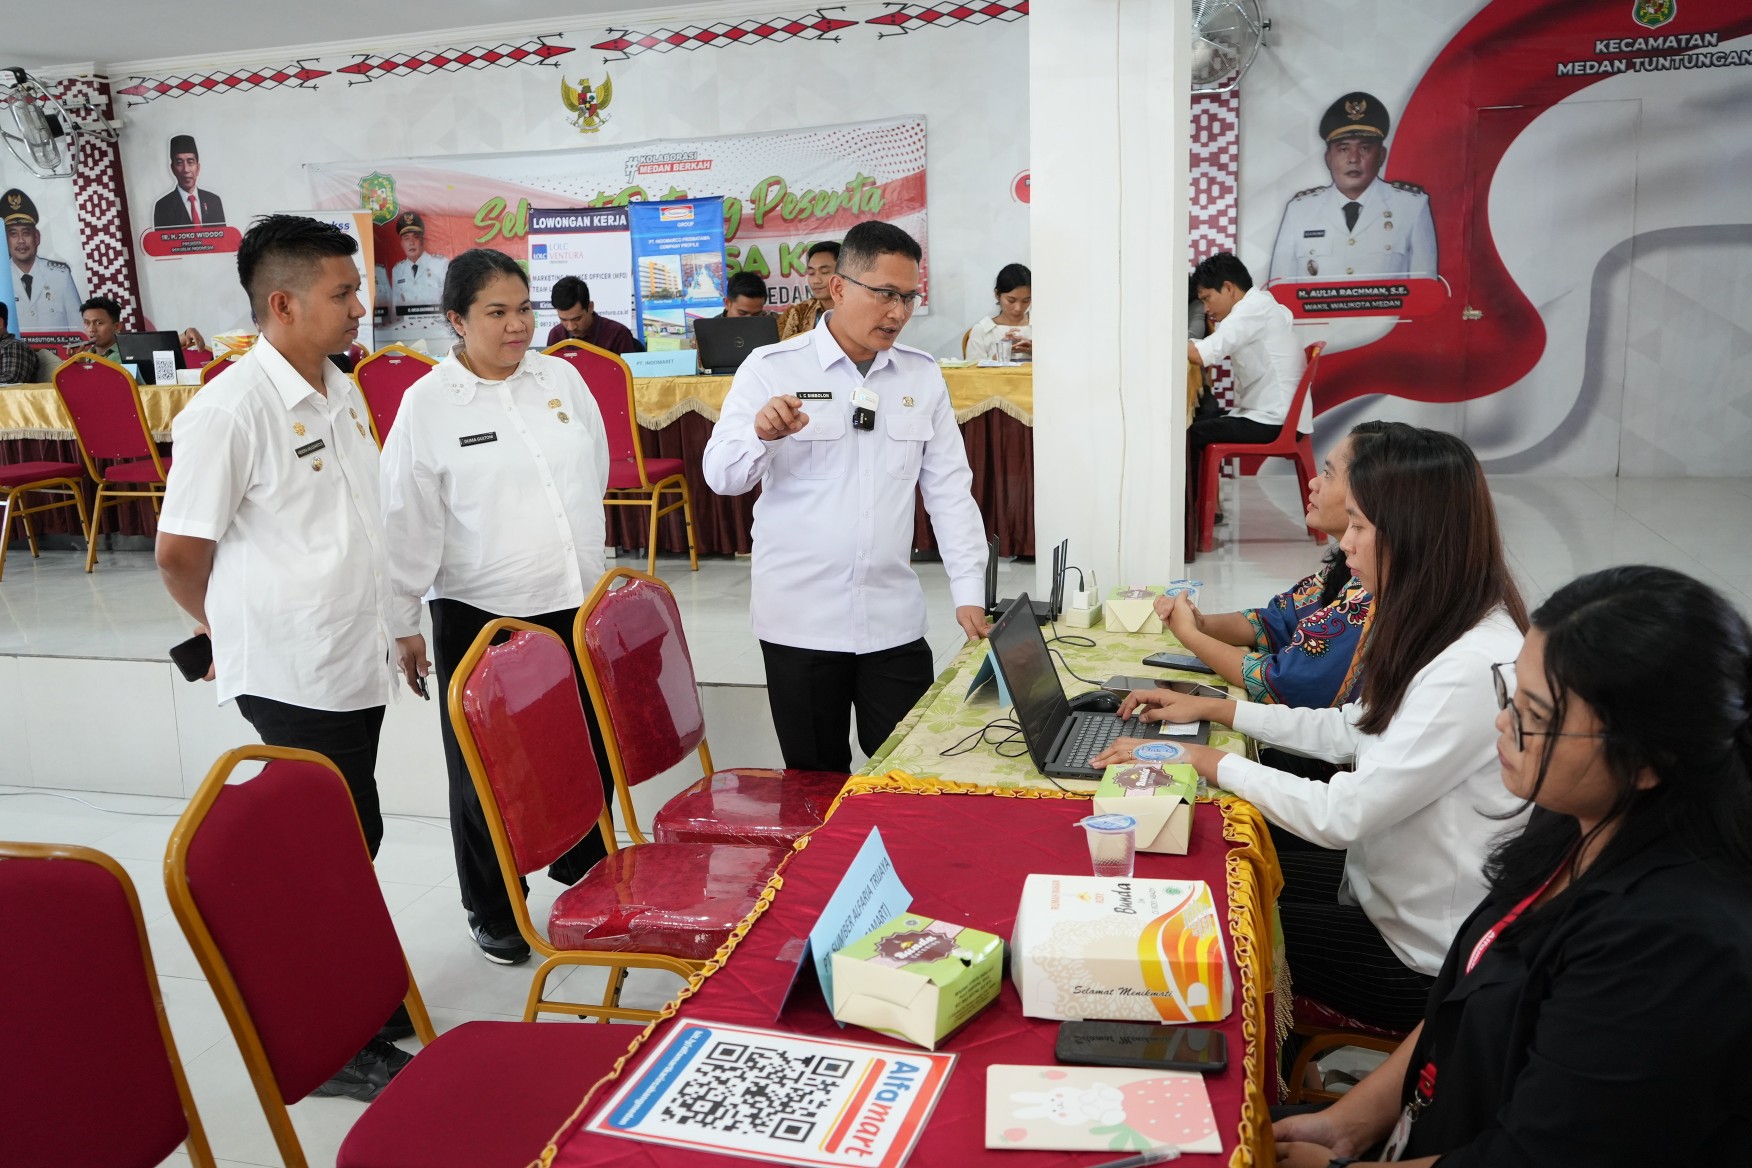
(740, 1087)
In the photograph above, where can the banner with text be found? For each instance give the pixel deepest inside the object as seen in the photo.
(678, 267)
(781, 192)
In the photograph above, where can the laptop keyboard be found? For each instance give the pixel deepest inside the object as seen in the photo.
(1090, 736)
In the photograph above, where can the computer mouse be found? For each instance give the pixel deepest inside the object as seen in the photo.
(1097, 701)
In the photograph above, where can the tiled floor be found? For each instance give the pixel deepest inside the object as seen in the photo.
(1554, 529)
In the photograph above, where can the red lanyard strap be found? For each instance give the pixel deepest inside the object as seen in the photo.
(1492, 933)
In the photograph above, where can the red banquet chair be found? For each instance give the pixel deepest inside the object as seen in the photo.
(1299, 448)
(383, 378)
(218, 365)
(641, 680)
(633, 479)
(19, 479)
(110, 425)
(96, 1075)
(271, 882)
(197, 358)
(520, 723)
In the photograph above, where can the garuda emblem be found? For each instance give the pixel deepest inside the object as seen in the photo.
(587, 103)
(1654, 13)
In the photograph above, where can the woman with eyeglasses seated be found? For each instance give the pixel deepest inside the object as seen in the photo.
(1592, 1011)
(1014, 292)
(1403, 832)
(1304, 647)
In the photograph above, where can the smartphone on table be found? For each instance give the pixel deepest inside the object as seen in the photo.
(1139, 1044)
(1178, 661)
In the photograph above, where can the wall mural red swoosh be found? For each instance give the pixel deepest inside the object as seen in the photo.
(1506, 56)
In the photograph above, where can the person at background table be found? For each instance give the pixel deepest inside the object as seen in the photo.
(579, 320)
(493, 478)
(1417, 810)
(271, 537)
(1303, 648)
(186, 206)
(43, 292)
(18, 361)
(823, 261)
(102, 318)
(1014, 292)
(1252, 333)
(836, 605)
(418, 279)
(745, 295)
(1592, 1010)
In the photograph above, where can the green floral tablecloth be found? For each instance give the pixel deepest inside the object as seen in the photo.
(946, 715)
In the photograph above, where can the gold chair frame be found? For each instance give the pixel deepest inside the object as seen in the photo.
(617, 963)
(647, 493)
(218, 970)
(109, 494)
(195, 1143)
(8, 495)
(211, 368)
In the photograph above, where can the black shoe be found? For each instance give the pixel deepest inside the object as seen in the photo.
(399, 1025)
(499, 943)
(367, 1073)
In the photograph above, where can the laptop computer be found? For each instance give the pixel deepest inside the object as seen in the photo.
(1044, 610)
(726, 341)
(1060, 741)
(137, 348)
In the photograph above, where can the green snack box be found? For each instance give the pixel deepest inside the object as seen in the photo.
(1158, 795)
(917, 979)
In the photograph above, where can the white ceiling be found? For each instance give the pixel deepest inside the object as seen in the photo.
(40, 35)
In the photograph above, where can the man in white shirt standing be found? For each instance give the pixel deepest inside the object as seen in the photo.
(271, 536)
(838, 427)
(1253, 333)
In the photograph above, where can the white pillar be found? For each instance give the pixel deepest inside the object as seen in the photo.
(1109, 112)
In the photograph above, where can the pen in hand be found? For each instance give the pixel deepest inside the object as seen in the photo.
(1144, 1159)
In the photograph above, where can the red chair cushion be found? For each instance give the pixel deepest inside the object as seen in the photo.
(681, 900)
(484, 1095)
(749, 806)
(17, 474)
(624, 475)
(88, 1080)
(141, 471)
(1310, 1014)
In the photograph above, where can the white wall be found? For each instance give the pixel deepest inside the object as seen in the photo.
(969, 82)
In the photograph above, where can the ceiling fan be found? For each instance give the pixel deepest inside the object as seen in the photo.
(41, 129)
(1226, 35)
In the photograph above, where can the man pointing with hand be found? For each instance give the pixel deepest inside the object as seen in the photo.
(838, 427)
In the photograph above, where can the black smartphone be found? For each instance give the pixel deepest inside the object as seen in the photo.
(1178, 661)
(424, 692)
(193, 657)
(1138, 1044)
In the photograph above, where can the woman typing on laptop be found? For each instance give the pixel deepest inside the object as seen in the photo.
(1417, 811)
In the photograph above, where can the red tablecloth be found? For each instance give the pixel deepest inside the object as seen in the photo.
(964, 859)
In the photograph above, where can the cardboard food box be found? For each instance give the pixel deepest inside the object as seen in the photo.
(1159, 796)
(1131, 609)
(1120, 949)
(917, 979)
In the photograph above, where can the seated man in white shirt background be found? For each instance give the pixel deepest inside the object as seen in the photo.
(838, 427)
(272, 540)
(1253, 333)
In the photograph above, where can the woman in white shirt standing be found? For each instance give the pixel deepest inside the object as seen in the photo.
(1401, 836)
(493, 478)
(1014, 292)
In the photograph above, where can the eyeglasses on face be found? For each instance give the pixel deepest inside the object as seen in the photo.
(1506, 701)
(888, 296)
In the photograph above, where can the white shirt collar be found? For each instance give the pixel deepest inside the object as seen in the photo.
(462, 383)
(827, 348)
(288, 382)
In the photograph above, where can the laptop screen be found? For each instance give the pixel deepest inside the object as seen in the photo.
(726, 341)
(1022, 657)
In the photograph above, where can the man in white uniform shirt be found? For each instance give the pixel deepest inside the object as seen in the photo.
(418, 280)
(44, 297)
(838, 426)
(1253, 334)
(271, 536)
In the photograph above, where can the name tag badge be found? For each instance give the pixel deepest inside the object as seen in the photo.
(477, 439)
(309, 448)
(815, 395)
(1319, 234)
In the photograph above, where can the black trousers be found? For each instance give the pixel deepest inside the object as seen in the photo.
(348, 738)
(1336, 955)
(813, 694)
(455, 626)
(1224, 428)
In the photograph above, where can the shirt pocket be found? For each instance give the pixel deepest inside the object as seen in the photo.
(1317, 247)
(817, 450)
(908, 431)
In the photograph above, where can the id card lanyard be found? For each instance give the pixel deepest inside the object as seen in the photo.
(1426, 1078)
